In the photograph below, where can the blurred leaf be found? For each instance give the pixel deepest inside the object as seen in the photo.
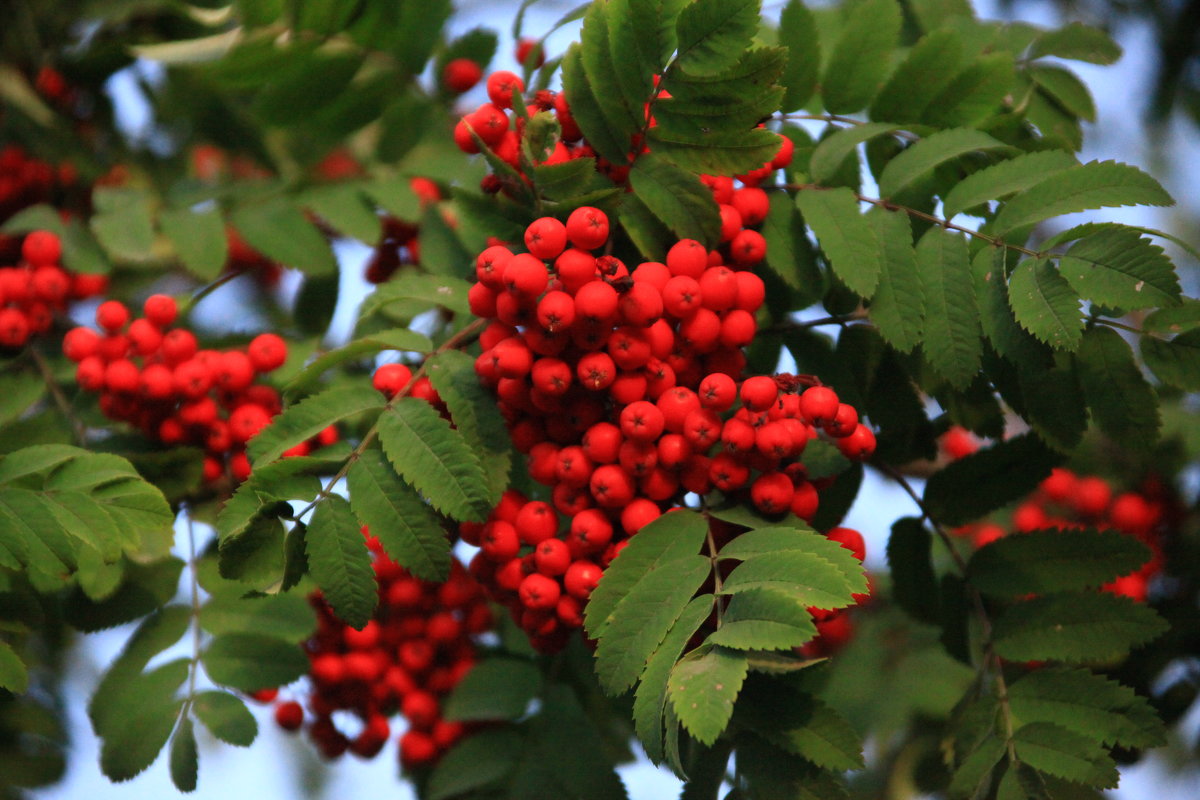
(226, 717)
(250, 662)
(494, 689)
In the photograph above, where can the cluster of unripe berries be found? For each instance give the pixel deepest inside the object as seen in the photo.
(1069, 501)
(158, 379)
(404, 661)
(625, 390)
(37, 287)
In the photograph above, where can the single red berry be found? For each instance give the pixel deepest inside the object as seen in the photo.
(289, 715)
(850, 539)
(502, 86)
(461, 74)
(160, 309)
(581, 578)
(530, 53)
(112, 315)
(41, 248)
(759, 393)
(267, 352)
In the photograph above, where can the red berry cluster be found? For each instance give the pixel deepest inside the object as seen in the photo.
(405, 660)
(157, 378)
(32, 291)
(621, 387)
(27, 181)
(502, 133)
(1069, 501)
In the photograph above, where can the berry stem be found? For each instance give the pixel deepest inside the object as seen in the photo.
(78, 429)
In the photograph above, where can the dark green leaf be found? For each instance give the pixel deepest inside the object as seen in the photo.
(860, 59)
(1117, 267)
(702, 689)
(345, 207)
(975, 94)
(1051, 748)
(434, 458)
(898, 305)
(1075, 627)
(494, 689)
(677, 198)
(1175, 362)
(1066, 89)
(249, 662)
(309, 417)
(477, 761)
(804, 577)
(927, 69)
(798, 31)
(923, 156)
(847, 238)
(763, 620)
(650, 700)
(974, 486)
(442, 253)
(610, 141)
(952, 331)
(13, 675)
(1005, 178)
(1077, 41)
(1050, 561)
(1088, 704)
(286, 616)
(789, 253)
(1045, 304)
(226, 717)
(280, 231)
(827, 159)
(1122, 403)
(914, 584)
(995, 313)
(123, 223)
(199, 239)
(710, 149)
(340, 563)
(712, 34)
(184, 759)
(393, 339)
(1181, 318)
(141, 728)
(1096, 184)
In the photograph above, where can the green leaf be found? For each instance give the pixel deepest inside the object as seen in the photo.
(608, 140)
(827, 159)
(819, 734)
(307, 83)
(475, 414)
(442, 253)
(671, 537)
(477, 761)
(764, 542)
(40, 217)
(914, 584)
(798, 31)
(952, 330)
(21, 390)
(340, 563)
(789, 253)
(711, 150)
(643, 617)
(974, 486)
(713, 34)
(846, 237)
(975, 94)
(345, 207)
(1096, 184)
(926, 70)
(289, 479)
(702, 689)
(285, 616)
(1065, 88)
(1179, 319)
(861, 58)
(141, 729)
(1079, 627)
(923, 156)
(1088, 704)
(1054, 404)
(199, 239)
(251, 662)
(114, 694)
(1175, 362)
(1051, 561)
(309, 417)
(898, 305)
(184, 759)
(393, 339)
(1122, 402)
(439, 290)
(650, 699)
(280, 231)
(226, 717)
(1005, 178)
(409, 530)
(434, 458)
(804, 577)
(13, 675)
(494, 689)
(621, 116)
(1117, 267)
(123, 224)
(1078, 42)
(1045, 304)
(995, 312)
(635, 43)
(763, 620)
(677, 198)
(394, 194)
(1053, 749)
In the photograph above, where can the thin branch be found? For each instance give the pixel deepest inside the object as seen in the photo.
(78, 429)
(789, 325)
(912, 137)
(206, 290)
